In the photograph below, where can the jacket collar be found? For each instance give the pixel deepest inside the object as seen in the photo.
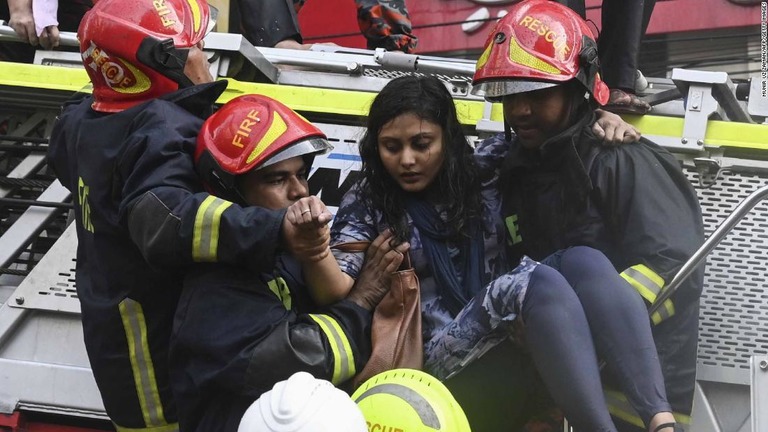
(561, 154)
(553, 148)
(198, 99)
(554, 151)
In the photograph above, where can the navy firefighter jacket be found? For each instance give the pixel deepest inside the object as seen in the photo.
(141, 217)
(632, 202)
(238, 332)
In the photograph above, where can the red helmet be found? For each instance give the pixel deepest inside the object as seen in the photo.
(135, 50)
(538, 44)
(252, 132)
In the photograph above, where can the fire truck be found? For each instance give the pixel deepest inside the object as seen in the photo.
(716, 127)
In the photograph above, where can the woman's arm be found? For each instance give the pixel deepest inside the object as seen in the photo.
(327, 283)
(322, 274)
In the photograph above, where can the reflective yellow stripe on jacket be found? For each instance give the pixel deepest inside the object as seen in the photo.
(280, 289)
(343, 357)
(167, 428)
(649, 284)
(619, 407)
(135, 327)
(205, 241)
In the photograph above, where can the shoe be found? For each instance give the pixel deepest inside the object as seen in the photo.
(674, 427)
(622, 102)
(641, 83)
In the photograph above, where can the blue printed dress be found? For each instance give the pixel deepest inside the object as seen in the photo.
(450, 342)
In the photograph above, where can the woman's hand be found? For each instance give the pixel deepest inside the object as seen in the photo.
(381, 260)
(613, 129)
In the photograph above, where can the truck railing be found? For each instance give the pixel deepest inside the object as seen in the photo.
(712, 241)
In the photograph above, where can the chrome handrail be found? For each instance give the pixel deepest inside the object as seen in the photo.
(712, 241)
(8, 34)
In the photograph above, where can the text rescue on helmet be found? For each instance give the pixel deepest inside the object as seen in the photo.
(559, 41)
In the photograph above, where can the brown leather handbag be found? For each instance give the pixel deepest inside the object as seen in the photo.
(396, 340)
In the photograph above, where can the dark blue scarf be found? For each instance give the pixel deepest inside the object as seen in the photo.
(434, 235)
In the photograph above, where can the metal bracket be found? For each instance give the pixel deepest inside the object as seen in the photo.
(485, 124)
(705, 94)
(709, 170)
(458, 87)
(228, 42)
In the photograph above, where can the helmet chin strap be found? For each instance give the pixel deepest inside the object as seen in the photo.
(507, 130)
(589, 63)
(220, 182)
(164, 57)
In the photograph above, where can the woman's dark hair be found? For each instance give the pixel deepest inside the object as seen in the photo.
(427, 98)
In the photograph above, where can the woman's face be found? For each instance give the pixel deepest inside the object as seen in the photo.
(411, 150)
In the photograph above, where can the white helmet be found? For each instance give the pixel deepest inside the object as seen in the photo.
(303, 404)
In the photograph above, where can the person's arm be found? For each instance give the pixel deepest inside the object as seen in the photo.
(45, 13)
(326, 282)
(613, 130)
(169, 216)
(22, 21)
(262, 342)
(653, 215)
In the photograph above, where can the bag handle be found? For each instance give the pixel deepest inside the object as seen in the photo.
(362, 246)
(352, 246)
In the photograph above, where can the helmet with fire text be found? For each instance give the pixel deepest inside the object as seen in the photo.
(135, 50)
(409, 400)
(303, 404)
(252, 132)
(538, 44)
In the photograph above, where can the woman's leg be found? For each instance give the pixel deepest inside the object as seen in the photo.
(620, 328)
(481, 325)
(557, 334)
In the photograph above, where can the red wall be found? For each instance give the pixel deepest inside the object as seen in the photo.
(320, 18)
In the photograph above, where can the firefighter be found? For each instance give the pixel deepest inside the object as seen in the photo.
(633, 202)
(239, 331)
(126, 154)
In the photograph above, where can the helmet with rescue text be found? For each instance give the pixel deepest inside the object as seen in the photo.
(136, 50)
(538, 44)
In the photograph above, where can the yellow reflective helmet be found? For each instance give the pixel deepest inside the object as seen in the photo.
(411, 401)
